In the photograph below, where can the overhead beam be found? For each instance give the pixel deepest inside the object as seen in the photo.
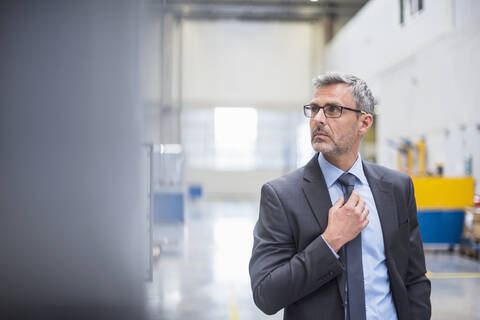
(264, 3)
(257, 10)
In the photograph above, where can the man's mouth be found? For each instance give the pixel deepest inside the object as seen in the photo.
(320, 133)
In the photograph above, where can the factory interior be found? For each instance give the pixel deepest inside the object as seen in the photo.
(135, 138)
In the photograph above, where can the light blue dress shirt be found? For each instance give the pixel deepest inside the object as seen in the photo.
(378, 296)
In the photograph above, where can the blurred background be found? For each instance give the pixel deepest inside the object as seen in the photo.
(135, 137)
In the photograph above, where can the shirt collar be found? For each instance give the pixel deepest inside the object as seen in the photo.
(332, 173)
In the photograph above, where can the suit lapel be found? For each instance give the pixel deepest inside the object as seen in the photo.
(385, 202)
(318, 197)
(316, 192)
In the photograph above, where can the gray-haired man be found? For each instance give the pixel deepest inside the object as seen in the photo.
(339, 237)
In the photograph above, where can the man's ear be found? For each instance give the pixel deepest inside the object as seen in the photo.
(366, 122)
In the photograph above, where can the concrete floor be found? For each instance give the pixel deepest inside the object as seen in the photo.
(202, 270)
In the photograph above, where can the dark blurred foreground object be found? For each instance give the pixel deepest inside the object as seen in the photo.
(71, 215)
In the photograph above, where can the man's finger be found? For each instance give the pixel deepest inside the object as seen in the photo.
(354, 198)
(338, 203)
(361, 205)
(365, 213)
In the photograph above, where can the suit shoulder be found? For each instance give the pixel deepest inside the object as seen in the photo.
(288, 180)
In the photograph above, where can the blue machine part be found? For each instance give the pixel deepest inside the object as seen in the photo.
(441, 226)
(168, 207)
(195, 191)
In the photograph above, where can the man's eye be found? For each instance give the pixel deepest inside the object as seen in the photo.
(315, 108)
(332, 108)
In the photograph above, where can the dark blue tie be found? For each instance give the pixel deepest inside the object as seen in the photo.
(355, 284)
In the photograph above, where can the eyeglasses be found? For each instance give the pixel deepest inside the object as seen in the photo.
(329, 110)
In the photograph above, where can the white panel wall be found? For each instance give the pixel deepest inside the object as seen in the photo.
(374, 41)
(232, 184)
(253, 64)
(425, 74)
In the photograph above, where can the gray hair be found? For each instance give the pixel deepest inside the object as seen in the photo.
(362, 95)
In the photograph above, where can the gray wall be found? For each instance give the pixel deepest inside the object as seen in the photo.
(71, 186)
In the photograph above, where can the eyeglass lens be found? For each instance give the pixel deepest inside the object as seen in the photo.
(330, 111)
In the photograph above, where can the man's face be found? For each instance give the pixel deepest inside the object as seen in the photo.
(336, 136)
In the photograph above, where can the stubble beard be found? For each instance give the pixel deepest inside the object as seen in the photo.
(329, 147)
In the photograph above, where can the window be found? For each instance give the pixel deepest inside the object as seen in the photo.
(243, 138)
(235, 138)
(409, 9)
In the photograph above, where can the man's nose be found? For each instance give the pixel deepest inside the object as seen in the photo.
(320, 117)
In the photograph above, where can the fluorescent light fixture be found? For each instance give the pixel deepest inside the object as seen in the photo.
(168, 148)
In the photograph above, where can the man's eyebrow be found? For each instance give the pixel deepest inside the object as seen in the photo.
(326, 104)
(334, 104)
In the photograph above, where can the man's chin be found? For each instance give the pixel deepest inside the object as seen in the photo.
(321, 147)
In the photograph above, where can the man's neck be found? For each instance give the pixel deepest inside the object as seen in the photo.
(344, 161)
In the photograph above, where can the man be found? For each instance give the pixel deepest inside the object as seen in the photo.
(360, 258)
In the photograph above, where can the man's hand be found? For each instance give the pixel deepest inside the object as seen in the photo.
(345, 221)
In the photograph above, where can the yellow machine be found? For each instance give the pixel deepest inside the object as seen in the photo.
(410, 154)
(443, 193)
(440, 200)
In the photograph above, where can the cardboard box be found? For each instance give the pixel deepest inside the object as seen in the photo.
(471, 223)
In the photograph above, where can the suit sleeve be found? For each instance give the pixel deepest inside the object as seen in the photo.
(417, 284)
(279, 274)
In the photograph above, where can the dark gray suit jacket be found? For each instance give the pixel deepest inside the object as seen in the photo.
(292, 267)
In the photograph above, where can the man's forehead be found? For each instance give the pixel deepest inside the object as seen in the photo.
(334, 93)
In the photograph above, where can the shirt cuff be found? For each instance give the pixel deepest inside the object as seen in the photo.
(333, 251)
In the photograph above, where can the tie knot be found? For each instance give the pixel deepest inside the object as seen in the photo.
(347, 180)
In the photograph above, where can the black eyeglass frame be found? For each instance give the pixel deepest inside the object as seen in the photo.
(308, 107)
